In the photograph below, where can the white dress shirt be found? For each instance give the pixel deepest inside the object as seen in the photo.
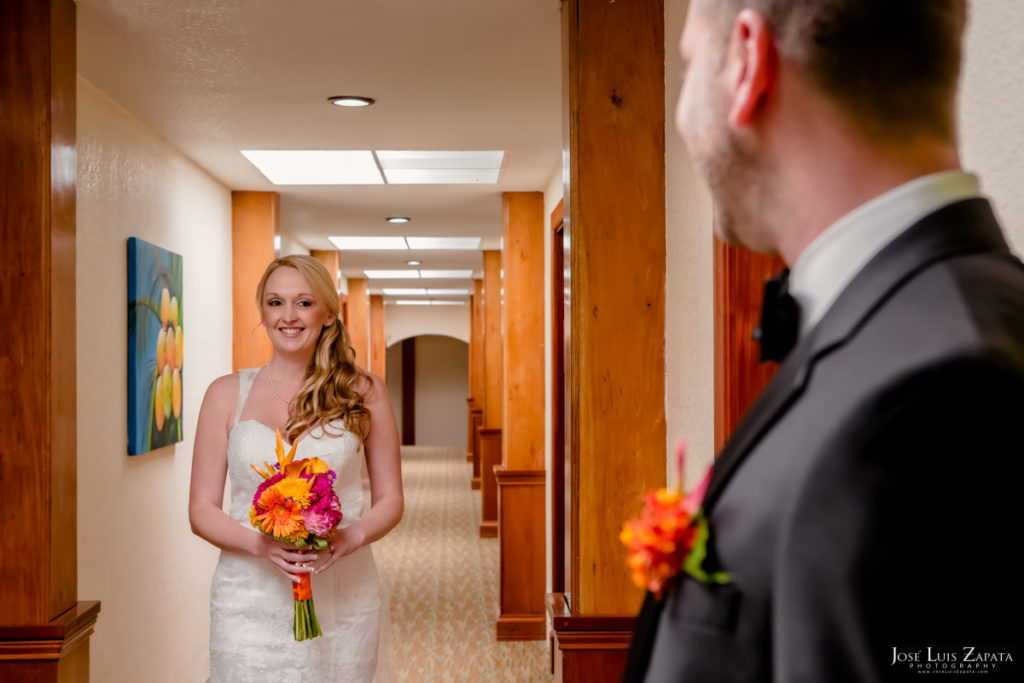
(830, 262)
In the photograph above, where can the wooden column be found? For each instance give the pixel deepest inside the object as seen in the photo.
(740, 375)
(492, 415)
(359, 320)
(44, 629)
(615, 212)
(478, 378)
(470, 398)
(254, 222)
(328, 257)
(493, 369)
(378, 350)
(521, 477)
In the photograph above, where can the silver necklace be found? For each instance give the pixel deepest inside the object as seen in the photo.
(273, 385)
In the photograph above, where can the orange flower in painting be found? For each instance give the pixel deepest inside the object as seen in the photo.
(282, 517)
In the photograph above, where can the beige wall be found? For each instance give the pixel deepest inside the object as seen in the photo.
(136, 551)
(442, 386)
(992, 108)
(689, 282)
(402, 322)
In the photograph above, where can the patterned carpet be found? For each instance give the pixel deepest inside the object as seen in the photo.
(443, 581)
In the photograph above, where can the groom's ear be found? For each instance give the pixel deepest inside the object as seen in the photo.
(752, 64)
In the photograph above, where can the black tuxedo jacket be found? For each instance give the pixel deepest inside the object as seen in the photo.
(868, 507)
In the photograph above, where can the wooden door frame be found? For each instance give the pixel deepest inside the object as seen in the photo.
(558, 550)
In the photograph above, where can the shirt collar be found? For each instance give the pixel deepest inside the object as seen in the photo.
(831, 261)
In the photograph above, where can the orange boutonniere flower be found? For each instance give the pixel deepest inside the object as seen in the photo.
(669, 536)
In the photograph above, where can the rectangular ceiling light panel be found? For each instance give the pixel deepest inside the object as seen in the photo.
(447, 292)
(447, 274)
(315, 166)
(412, 302)
(440, 167)
(446, 243)
(398, 291)
(392, 274)
(368, 243)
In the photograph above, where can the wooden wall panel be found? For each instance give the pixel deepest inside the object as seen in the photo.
(476, 417)
(378, 350)
(739, 374)
(492, 341)
(616, 215)
(490, 457)
(254, 222)
(523, 329)
(359, 320)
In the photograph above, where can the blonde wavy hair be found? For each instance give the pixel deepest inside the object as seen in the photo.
(334, 385)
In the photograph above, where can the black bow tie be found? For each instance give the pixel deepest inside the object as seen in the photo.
(780, 319)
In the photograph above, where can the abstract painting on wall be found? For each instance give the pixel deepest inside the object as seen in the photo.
(154, 346)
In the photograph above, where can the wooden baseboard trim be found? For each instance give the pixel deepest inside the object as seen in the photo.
(488, 530)
(475, 484)
(589, 648)
(54, 640)
(521, 627)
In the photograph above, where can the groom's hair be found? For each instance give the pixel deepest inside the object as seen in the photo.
(891, 65)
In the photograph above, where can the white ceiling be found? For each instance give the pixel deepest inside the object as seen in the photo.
(218, 76)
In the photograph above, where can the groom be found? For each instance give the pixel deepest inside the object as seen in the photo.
(867, 510)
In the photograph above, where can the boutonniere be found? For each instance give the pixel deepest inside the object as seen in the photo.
(670, 536)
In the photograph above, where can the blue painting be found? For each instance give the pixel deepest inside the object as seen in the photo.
(155, 372)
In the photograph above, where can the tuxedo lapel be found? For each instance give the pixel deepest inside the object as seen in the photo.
(961, 228)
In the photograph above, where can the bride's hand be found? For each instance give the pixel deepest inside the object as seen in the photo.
(291, 561)
(345, 542)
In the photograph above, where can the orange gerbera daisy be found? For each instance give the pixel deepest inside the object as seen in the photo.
(282, 518)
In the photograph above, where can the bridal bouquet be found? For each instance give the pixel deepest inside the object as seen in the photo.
(296, 503)
(670, 535)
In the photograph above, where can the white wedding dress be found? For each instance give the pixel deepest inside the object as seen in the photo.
(251, 604)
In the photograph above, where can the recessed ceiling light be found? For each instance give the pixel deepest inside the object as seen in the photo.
(449, 243)
(414, 262)
(392, 274)
(446, 274)
(398, 291)
(447, 292)
(351, 101)
(398, 219)
(412, 302)
(368, 243)
(315, 166)
(447, 303)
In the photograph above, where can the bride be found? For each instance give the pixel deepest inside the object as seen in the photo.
(312, 391)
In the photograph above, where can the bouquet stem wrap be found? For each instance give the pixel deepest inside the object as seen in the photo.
(296, 504)
(306, 625)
